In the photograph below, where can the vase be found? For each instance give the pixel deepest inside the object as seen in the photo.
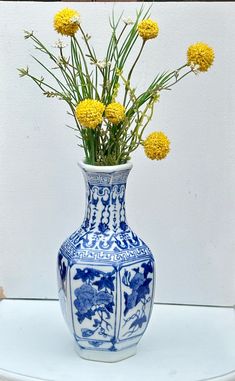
(106, 272)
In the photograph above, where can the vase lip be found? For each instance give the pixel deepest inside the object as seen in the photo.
(105, 168)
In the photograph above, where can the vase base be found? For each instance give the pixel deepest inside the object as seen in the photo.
(106, 356)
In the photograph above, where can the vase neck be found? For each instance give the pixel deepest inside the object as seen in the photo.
(105, 198)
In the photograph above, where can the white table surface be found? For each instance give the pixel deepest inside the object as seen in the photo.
(182, 343)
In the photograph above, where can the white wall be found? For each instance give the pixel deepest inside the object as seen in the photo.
(184, 207)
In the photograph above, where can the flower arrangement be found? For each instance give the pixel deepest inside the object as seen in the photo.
(110, 117)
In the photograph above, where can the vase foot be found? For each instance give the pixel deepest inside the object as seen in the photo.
(106, 356)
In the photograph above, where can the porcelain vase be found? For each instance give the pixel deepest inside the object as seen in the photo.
(106, 272)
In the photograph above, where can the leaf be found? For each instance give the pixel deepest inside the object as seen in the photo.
(87, 332)
(105, 282)
(86, 274)
(138, 322)
(99, 284)
(143, 290)
(89, 314)
(96, 323)
(78, 275)
(126, 303)
(109, 282)
(95, 343)
(109, 307)
(148, 268)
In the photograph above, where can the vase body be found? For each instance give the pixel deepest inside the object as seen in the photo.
(106, 272)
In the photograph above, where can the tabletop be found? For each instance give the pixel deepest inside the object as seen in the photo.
(182, 343)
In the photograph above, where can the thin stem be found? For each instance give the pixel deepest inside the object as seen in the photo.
(88, 81)
(131, 71)
(177, 80)
(89, 49)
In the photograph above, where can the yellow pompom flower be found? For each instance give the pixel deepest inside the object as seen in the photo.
(89, 113)
(157, 146)
(66, 21)
(148, 29)
(115, 112)
(200, 55)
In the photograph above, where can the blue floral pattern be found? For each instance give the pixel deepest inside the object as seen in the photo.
(139, 296)
(94, 300)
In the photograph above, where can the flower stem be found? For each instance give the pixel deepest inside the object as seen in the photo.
(131, 71)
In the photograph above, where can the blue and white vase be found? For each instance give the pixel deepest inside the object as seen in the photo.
(106, 272)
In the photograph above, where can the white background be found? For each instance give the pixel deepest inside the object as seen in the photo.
(183, 207)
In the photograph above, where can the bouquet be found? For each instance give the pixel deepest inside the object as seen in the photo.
(110, 115)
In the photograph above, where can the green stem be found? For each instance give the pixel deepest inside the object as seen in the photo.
(131, 71)
(177, 80)
(89, 49)
(88, 80)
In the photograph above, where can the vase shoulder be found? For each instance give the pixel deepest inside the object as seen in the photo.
(116, 247)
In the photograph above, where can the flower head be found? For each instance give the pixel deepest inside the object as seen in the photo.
(23, 71)
(200, 55)
(102, 64)
(89, 113)
(103, 297)
(66, 21)
(148, 29)
(156, 146)
(115, 112)
(85, 298)
(128, 21)
(137, 281)
(28, 34)
(59, 44)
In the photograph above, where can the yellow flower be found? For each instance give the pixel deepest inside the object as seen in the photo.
(148, 29)
(89, 113)
(66, 21)
(156, 146)
(201, 55)
(115, 112)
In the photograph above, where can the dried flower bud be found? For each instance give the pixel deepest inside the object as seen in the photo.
(23, 72)
(86, 37)
(128, 21)
(27, 34)
(59, 44)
